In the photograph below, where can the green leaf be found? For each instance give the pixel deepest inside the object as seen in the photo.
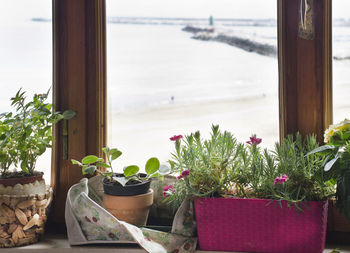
(330, 164)
(68, 114)
(131, 170)
(89, 169)
(121, 180)
(164, 170)
(103, 165)
(321, 149)
(91, 159)
(107, 174)
(114, 153)
(152, 165)
(76, 162)
(345, 135)
(172, 163)
(156, 175)
(58, 118)
(106, 150)
(24, 167)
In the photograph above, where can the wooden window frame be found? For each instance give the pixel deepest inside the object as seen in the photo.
(305, 70)
(79, 81)
(79, 39)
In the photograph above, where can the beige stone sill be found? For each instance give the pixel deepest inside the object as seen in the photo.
(59, 243)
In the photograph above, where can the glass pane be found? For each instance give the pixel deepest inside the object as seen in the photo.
(164, 80)
(341, 60)
(26, 55)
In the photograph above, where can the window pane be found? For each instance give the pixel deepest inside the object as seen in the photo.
(26, 55)
(162, 81)
(341, 60)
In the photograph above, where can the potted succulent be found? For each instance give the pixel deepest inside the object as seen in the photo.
(335, 160)
(127, 195)
(25, 134)
(252, 200)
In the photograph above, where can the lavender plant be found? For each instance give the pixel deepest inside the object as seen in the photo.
(206, 166)
(286, 173)
(222, 167)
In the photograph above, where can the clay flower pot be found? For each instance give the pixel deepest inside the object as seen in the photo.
(130, 203)
(131, 209)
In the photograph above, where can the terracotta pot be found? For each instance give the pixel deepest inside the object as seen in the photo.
(131, 209)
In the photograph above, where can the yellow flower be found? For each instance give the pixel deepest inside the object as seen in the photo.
(336, 128)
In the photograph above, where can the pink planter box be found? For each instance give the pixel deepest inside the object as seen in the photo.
(248, 225)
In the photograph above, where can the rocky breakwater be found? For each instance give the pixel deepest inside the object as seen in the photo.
(225, 36)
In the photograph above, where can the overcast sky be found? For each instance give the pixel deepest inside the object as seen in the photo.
(26, 9)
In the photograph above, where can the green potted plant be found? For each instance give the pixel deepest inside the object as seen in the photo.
(25, 134)
(127, 195)
(335, 160)
(252, 200)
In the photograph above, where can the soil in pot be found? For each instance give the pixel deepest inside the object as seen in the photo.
(20, 177)
(132, 188)
(131, 209)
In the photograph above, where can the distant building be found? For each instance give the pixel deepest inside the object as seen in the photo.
(211, 21)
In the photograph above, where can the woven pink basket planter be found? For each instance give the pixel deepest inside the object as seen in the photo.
(250, 225)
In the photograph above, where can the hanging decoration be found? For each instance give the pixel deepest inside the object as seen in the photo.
(306, 24)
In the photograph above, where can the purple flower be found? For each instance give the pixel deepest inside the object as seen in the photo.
(184, 174)
(254, 140)
(280, 180)
(167, 189)
(176, 137)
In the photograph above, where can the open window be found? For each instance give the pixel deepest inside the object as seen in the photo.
(175, 67)
(341, 60)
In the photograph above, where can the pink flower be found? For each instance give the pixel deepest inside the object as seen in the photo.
(280, 180)
(176, 137)
(167, 189)
(254, 141)
(184, 174)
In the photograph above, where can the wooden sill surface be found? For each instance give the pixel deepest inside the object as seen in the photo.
(58, 243)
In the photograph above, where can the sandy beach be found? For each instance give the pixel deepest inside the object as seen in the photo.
(141, 134)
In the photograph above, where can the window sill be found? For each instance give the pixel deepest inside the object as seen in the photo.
(55, 243)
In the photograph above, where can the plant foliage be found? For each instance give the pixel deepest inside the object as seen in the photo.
(335, 157)
(26, 133)
(92, 164)
(222, 167)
